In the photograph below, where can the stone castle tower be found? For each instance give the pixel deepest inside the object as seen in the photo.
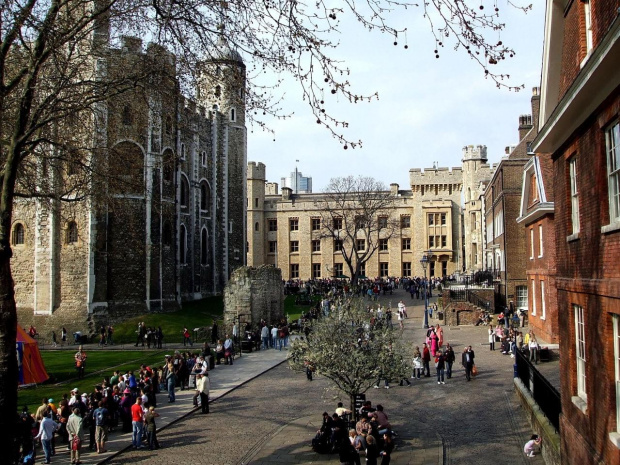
(476, 173)
(256, 177)
(173, 230)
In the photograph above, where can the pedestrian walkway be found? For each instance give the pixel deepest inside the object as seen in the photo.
(224, 378)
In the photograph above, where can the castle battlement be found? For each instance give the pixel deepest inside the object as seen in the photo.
(256, 170)
(475, 152)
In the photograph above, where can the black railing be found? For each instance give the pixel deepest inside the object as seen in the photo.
(544, 394)
(466, 295)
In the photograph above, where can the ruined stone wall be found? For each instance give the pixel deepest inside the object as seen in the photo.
(254, 294)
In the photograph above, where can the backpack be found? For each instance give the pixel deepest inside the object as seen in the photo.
(99, 417)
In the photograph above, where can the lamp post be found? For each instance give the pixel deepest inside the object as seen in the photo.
(424, 263)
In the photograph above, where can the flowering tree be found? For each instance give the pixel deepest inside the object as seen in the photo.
(345, 348)
(55, 58)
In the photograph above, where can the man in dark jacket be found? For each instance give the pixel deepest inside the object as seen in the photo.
(468, 362)
(449, 356)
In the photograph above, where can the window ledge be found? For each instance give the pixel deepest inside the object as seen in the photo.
(580, 403)
(611, 227)
(572, 237)
(614, 437)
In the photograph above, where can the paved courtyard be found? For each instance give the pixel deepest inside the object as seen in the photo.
(272, 418)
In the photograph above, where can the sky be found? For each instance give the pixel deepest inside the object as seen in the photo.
(428, 108)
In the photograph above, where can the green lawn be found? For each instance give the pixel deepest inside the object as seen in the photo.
(60, 367)
(294, 311)
(195, 314)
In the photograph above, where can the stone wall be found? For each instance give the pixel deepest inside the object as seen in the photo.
(254, 294)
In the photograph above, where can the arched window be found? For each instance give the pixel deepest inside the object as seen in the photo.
(18, 234)
(184, 192)
(167, 234)
(183, 245)
(233, 115)
(168, 166)
(127, 116)
(204, 252)
(168, 127)
(72, 233)
(256, 226)
(183, 152)
(203, 158)
(205, 197)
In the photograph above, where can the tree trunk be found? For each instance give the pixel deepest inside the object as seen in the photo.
(8, 358)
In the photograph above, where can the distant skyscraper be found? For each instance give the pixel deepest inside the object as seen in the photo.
(298, 183)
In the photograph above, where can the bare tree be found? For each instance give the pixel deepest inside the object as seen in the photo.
(357, 213)
(58, 81)
(350, 351)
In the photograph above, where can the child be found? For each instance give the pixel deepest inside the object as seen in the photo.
(531, 445)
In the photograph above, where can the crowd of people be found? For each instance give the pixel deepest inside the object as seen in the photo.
(125, 401)
(370, 437)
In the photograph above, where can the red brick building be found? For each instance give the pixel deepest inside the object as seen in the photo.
(580, 130)
(505, 245)
(537, 217)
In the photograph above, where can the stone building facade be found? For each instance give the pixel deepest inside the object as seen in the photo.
(505, 244)
(580, 134)
(476, 174)
(283, 228)
(172, 230)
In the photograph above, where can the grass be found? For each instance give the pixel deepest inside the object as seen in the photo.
(61, 369)
(199, 313)
(294, 311)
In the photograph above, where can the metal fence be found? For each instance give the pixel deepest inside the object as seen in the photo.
(466, 295)
(543, 393)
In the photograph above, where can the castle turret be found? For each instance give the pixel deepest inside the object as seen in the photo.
(256, 213)
(475, 170)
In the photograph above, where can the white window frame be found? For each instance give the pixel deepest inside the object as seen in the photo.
(588, 26)
(614, 436)
(540, 241)
(543, 306)
(531, 243)
(521, 293)
(580, 353)
(612, 149)
(574, 194)
(533, 297)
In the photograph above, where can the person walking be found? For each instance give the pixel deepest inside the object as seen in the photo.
(533, 346)
(137, 421)
(264, 335)
(75, 429)
(101, 414)
(46, 434)
(417, 363)
(229, 348)
(426, 359)
(467, 361)
(450, 357)
(440, 366)
(63, 336)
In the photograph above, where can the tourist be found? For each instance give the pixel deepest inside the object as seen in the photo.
(63, 336)
(110, 340)
(171, 380)
(491, 338)
(264, 335)
(137, 421)
(426, 359)
(46, 434)
(440, 366)
(467, 360)
(388, 446)
(532, 445)
(449, 357)
(372, 451)
(229, 353)
(203, 384)
(533, 346)
(101, 414)
(75, 429)
(417, 363)
(151, 428)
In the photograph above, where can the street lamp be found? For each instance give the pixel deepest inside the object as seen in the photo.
(424, 263)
